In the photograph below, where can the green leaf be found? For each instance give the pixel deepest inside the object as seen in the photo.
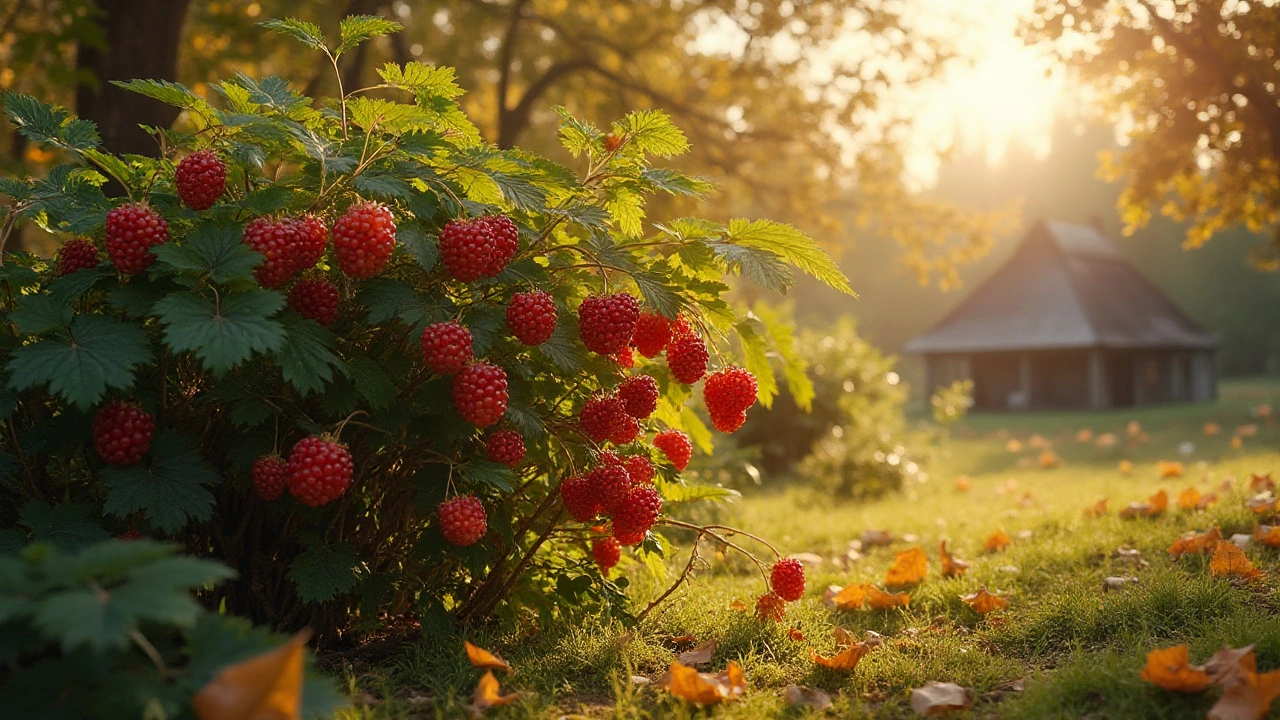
(761, 266)
(676, 183)
(563, 349)
(678, 492)
(381, 184)
(756, 356)
(307, 359)
(266, 199)
(391, 117)
(273, 92)
(322, 572)
(653, 132)
(520, 192)
(421, 79)
(40, 313)
(65, 526)
(214, 251)
(98, 353)
(169, 490)
(626, 207)
(372, 381)
(795, 367)
(495, 475)
(50, 124)
(222, 334)
(304, 32)
(69, 288)
(169, 93)
(424, 247)
(792, 246)
(697, 430)
(388, 299)
(355, 29)
(658, 293)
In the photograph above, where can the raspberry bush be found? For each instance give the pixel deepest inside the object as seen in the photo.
(388, 367)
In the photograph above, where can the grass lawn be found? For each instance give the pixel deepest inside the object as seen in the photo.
(1077, 648)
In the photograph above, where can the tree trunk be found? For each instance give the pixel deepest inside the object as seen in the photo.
(141, 39)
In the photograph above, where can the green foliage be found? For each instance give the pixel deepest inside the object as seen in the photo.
(952, 402)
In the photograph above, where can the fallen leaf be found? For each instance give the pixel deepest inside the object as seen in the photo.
(1048, 459)
(1189, 499)
(1134, 509)
(1169, 468)
(843, 637)
(268, 685)
(1263, 410)
(688, 684)
(909, 568)
(1084, 435)
(1134, 429)
(1014, 445)
(1236, 442)
(1125, 467)
(937, 698)
(963, 483)
(845, 660)
(680, 641)
(1261, 483)
(951, 567)
(488, 694)
(871, 538)
(1097, 509)
(1206, 500)
(872, 638)
(850, 597)
(984, 602)
(795, 634)
(1249, 699)
(1171, 669)
(880, 600)
(1268, 535)
(1038, 442)
(1118, 583)
(1229, 560)
(1249, 430)
(1158, 503)
(1229, 665)
(484, 659)
(1193, 542)
(738, 606)
(1262, 504)
(699, 655)
(801, 696)
(997, 542)
(1105, 440)
(1211, 429)
(1131, 555)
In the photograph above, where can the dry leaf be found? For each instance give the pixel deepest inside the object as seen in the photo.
(1229, 560)
(489, 694)
(909, 568)
(1125, 467)
(1249, 699)
(1014, 445)
(937, 698)
(1263, 410)
(1262, 504)
(264, 687)
(1236, 442)
(843, 637)
(879, 600)
(1268, 535)
(1229, 665)
(1249, 430)
(1134, 509)
(738, 606)
(1157, 503)
(1097, 509)
(795, 634)
(997, 542)
(1105, 440)
(688, 684)
(1170, 669)
(1134, 429)
(484, 659)
(680, 641)
(1261, 483)
(1048, 459)
(851, 597)
(872, 638)
(951, 567)
(700, 655)
(1189, 499)
(1084, 435)
(845, 660)
(871, 538)
(1194, 542)
(1038, 442)
(1211, 429)
(801, 696)
(963, 483)
(984, 602)
(1206, 500)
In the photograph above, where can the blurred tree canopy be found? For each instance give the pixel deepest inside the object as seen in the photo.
(1194, 84)
(780, 99)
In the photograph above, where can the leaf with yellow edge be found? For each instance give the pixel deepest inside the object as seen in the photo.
(264, 687)
(1268, 535)
(850, 597)
(1171, 669)
(1169, 468)
(878, 599)
(1189, 499)
(845, 660)
(1097, 509)
(1194, 542)
(909, 568)
(1229, 560)
(688, 684)
(998, 541)
(951, 567)
(484, 659)
(984, 602)
(488, 694)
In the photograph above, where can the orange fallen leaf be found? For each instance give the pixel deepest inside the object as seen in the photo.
(1268, 535)
(1171, 669)
(937, 698)
(850, 597)
(1194, 542)
(1134, 429)
(1261, 483)
(795, 634)
(801, 696)
(1125, 467)
(682, 640)
(845, 660)
(482, 658)
(1249, 430)
(909, 568)
(1169, 468)
(264, 686)
(998, 541)
(699, 655)
(1105, 440)
(1236, 442)
(1097, 509)
(1211, 429)
(706, 688)
(881, 600)
(1263, 410)
(951, 567)
(1229, 664)
(1262, 504)
(1084, 435)
(1038, 441)
(1189, 499)
(1248, 695)
(1229, 560)
(963, 483)
(843, 637)
(488, 694)
(984, 602)
(1048, 459)
(1014, 445)
(738, 606)
(1206, 500)
(1157, 503)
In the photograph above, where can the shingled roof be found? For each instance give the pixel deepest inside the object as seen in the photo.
(1065, 287)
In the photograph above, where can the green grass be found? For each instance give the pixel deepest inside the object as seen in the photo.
(1078, 648)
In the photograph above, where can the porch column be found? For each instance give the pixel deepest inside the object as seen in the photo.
(1097, 381)
(1024, 379)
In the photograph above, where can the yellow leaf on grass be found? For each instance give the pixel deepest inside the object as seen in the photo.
(951, 567)
(1194, 542)
(1171, 669)
(1048, 459)
(881, 600)
(845, 660)
(706, 688)
(699, 655)
(1230, 561)
(850, 597)
(264, 687)
(1248, 694)
(488, 694)
(484, 659)
(1097, 509)
(984, 602)
(1169, 468)
(1189, 499)
(1157, 504)
(998, 541)
(909, 568)
(1268, 535)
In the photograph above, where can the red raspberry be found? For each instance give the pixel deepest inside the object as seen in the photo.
(624, 358)
(122, 433)
(273, 239)
(319, 471)
(681, 327)
(652, 334)
(200, 178)
(310, 238)
(608, 485)
(687, 358)
(363, 239)
(315, 299)
(639, 395)
(606, 322)
(676, 446)
(638, 512)
(601, 417)
(128, 535)
(640, 468)
(787, 579)
(629, 537)
(730, 390)
(628, 430)
(446, 347)
(506, 241)
(579, 498)
(269, 476)
(531, 317)
(506, 447)
(74, 255)
(607, 552)
(727, 422)
(612, 142)
(462, 520)
(771, 607)
(480, 393)
(132, 230)
(467, 248)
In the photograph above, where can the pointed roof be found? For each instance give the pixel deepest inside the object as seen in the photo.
(1065, 287)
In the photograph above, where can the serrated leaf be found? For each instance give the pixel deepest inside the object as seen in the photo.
(421, 79)
(755, 350)
(792, 246)
(322, 572)
(372, 381)
(391, 117)
(795, 367)
(273, 92)
(355, 29)
(67, 527)
(49, 124)
(304, 32)
(697, 430)
(679, 492)
(266, 199)
(169, 93)
(520, 192)
(761, 266)
(388, 299)
(563, 349)
(224, 333)
(307, 359)
(69, 288)
(37, 314)
(169, 489)
(524, 418)
(216, 251)
(676, 183)
(424, 247)
(653, 132)
(487, 323)
(381, 184)
(495, 475)
(626, 207)
(98, 353)
(658, 293)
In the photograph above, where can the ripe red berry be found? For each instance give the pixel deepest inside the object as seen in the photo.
(771, 607)
(730, 390)
(446, 347)
(200, 178)
(467, 248)
(612, 142)
(787, 579)
(624, 358)
(676, 446)
(531, 317)
(505, 447)
(122, 433)
(640, 468)
(315, 299)
(310, 238)
(652, 334)
(639, 395)
(687, 358)
(319, 471)
(728, 421)
(480, 393)
(608, 485)
(579, 498)
(606, 552)
(638, 511)
(462, 520)
(601, 417)
(628, 430)
(132, 230)
(606, 322)
(629, 537)
(269, 476)
(74, 255)
(128, 535)
(506, 241)
(363, 239)
(273, 239)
